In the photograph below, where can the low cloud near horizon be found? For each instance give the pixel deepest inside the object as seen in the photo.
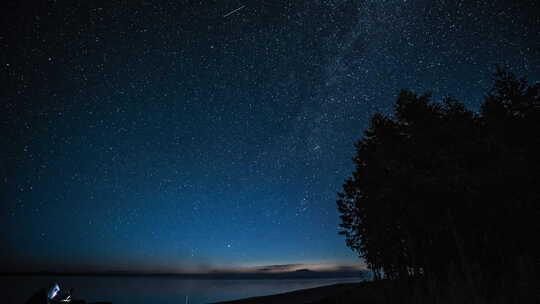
(296, 267)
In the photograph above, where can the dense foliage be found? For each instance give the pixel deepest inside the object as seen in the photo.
(449, 197)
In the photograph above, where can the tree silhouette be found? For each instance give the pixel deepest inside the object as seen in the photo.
(450, 198)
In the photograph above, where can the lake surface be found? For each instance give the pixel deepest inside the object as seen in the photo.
(154, 290)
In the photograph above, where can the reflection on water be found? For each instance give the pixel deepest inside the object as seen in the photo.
(157, 290)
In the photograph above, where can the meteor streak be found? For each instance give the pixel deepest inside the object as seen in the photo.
(233, 11)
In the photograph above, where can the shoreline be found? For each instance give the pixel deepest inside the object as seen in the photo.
(366, 292)
(205, 276)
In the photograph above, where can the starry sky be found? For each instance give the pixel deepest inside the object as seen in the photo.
(196, 135)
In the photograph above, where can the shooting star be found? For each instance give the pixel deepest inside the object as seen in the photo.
(233, 11)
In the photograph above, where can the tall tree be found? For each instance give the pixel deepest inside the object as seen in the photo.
(444, 195)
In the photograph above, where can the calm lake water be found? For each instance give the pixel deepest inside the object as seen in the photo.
(155, 290)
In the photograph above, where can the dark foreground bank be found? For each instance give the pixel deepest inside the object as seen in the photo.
(383, 292)
(363, 292)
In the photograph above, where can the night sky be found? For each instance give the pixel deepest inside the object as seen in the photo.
(187, 136)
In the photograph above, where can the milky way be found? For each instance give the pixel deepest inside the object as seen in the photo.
(179, 135)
